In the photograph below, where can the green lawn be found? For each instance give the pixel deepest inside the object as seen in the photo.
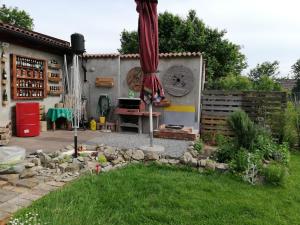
(164, 195)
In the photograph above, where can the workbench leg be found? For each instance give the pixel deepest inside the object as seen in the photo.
(140, 125)
(53, 126)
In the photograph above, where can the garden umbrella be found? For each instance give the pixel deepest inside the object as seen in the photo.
(152, 90)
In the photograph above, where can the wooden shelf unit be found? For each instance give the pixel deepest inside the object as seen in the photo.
(28, 78)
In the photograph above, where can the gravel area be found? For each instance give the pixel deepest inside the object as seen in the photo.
(174, 148)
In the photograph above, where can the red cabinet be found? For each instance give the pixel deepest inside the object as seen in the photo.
(27, 119)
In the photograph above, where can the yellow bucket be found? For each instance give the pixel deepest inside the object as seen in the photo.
(102, 119)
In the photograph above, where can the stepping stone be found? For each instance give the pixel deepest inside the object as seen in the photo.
(10, 178)
(3, 183)
(9, 207)
(27, 183)
(4, 216)
(56, 183)
(6, 195)
(29, 196)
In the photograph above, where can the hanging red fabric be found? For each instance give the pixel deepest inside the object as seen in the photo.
(152, 90)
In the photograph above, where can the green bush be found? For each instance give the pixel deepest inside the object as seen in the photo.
(240, 162)
(275, 174)
(281, 154)
(226, 149)
(266, 83)
(244, 129)
(198, 146)
(235, 83)
(102, 159)
(290, 125)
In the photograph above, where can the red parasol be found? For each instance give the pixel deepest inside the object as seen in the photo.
(152, 90)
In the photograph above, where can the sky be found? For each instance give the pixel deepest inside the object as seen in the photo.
(267, 30)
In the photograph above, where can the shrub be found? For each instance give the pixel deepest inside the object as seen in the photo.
(226, 149)
(235, 82)
(275, 174)
(102, 159)
(266, 83)
(281, 154)
(198, 146)
(244, 129)
(290, 125)
(239, 162)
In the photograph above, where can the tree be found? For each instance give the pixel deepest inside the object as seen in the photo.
(296, 69)
(16, 17)
(269, 69)
(190, 34)
(267, 83)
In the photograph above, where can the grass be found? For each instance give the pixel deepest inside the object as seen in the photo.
(166, 195)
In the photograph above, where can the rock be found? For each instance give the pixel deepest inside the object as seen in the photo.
(29, 165)
(186, 158)
(39, 151)
(118, 160)
(138, 155)
(128, 154)
(164, 161)
(202, 163)
(173, 161)
(190, 148)
(152, 156)
(36, 161)
(63, 167)
(52, 165)
(80, 159)
(45, 159)
(221, 167)
(73, 167)
(92, 166)
(10, 178)
(191, 143)
(110, 153)
(194, 153)
(210, 165)
(27, 173)
(194, 162)
(107, 168)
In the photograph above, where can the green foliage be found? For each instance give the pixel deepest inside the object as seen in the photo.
(244, 129)
(290, 125)
(235, 83)
(16, 17)
(190, 34)
(268, 69)
(226, 149)
(275, 174)
(102, 159)
(296, 70)
(267, 83)
(198, 146)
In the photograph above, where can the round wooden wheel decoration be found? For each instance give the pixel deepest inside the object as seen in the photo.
(178, 81)
(135, 79)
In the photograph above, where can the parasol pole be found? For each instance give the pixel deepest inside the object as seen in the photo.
(151, 124)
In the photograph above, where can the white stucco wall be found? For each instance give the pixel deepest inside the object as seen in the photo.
(7, 113)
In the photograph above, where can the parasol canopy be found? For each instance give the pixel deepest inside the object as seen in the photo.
(152, 90)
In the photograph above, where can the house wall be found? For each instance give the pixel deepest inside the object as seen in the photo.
(7, 113)
(119, 69)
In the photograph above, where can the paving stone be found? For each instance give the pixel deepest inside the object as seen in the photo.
(3, 183)
(10, 178)
(6, 195)
(8, 187)
(20, 189)
(46, 187)
(27, 183)
(4, 216)
(29, 196)
(39, 192)
(56, 183)
(9, 207)
(20, 202)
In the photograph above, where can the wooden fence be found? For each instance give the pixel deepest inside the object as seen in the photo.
(262, 107)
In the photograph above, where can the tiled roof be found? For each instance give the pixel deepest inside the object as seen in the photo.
(136, 56)
(33, 36)
(287, 84)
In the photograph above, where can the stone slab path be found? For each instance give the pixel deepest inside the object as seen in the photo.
(13, 197)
